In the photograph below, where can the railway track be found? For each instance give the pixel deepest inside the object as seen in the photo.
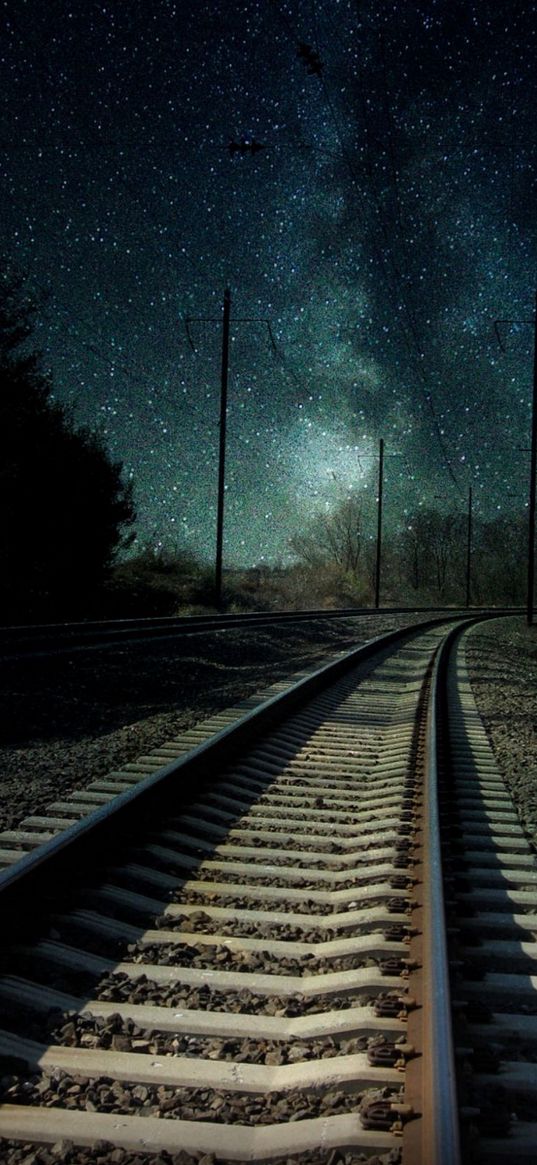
(64, 638)
(234, 949)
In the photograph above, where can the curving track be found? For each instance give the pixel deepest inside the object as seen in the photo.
(491, 897)
(236, 946)
(66, 638)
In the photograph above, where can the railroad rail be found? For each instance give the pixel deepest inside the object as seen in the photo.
(59, 638)
(236, 946)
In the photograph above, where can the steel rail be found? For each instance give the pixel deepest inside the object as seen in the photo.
(441, 1119)
(433, 1140)
(56, 854)
(24, 878)
(439, 1127)
(59, 638)
(489, 839)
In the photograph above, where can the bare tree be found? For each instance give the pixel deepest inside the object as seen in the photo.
(500, 557)
(431, 552)
(334, 537)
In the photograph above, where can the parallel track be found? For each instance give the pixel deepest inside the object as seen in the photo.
(260, 970)
(491, 896)
(62, 638)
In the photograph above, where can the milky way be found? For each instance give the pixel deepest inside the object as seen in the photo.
(369, 246)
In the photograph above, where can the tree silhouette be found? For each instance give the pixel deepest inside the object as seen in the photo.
(335, 537)
(64, 508)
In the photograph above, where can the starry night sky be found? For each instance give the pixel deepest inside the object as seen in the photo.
(369, 247)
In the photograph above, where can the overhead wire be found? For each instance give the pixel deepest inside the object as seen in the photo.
(111, 360)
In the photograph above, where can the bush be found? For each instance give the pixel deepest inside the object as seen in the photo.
(158, 583)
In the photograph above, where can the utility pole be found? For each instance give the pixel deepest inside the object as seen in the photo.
(469, 548)
(379, 523)
(224, 370)
(533, 463)
(222, 451)
(533, 470)
(380, 497)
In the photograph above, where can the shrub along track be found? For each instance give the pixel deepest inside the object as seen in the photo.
(248, 977)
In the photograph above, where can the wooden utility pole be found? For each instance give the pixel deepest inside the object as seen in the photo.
(469, 549)
(533, 462)
(222, 451)
(533, 471)
(223, 424)
(379, 523)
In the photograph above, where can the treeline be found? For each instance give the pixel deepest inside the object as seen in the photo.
(424, 561)
(67, 517)
(429, 558)
(334, 565)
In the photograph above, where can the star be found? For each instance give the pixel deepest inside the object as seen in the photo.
(377, 209)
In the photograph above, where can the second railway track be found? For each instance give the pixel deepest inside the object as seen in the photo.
(246, 958)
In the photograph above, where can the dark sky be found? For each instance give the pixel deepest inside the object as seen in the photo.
(387, 222)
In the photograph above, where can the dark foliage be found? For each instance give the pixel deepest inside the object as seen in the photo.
(158, 582)
(64, 508)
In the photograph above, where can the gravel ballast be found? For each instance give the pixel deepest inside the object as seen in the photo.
(502, 663)
(103, 1153)
(71, 719)
(68, 719)
(81, 723)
